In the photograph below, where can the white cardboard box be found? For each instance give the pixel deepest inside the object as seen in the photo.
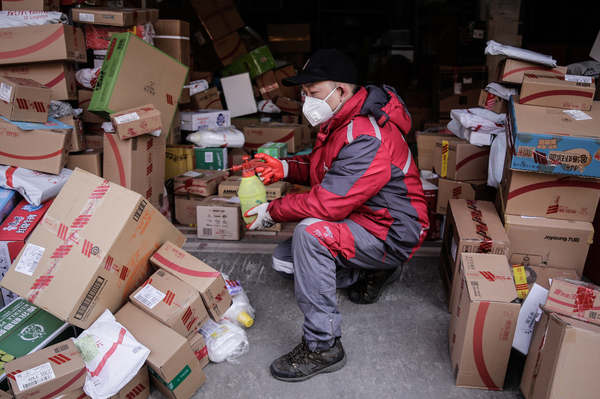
(204, 119)
(239, 95)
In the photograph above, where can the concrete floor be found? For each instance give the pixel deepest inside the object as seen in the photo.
(396, 348)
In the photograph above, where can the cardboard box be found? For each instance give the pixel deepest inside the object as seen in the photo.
(220, 218)
(179, 159)
(257, 63)
(430, 190)
(85, 97)
(483, 325)
(76, 142)
(88, 160)
(458, 159)
(288, 105)
(560, 362)
(198, 345)
(76, 261)
(295, 136)
(172, 302)
(291, 92)
(25, 328)
(569, 92)
(30, 375)
(123, 84)
(457, 88)
(8, 201)
(513, 71)
(58, 76)
(185, 209)
(492, 102)
(268, 86)
(277, 150)
(136, 121)
(241, 122)
(199, 182)
(30, 5)
(426, 148)
(205, 279)
(235, 157)
(192, 121)
(549, 195)
(276, 190)
(42, 150)
(207, 99)
(220, 53)
(471, 227)
(552, 140)
(137, 163)
(551, 242)
(174, 369)
(174, 137)
(239, 97)
(294, 120)
(214, 20)
(469, 190)
(106, 16)
(173, 38)
(574, 298)
(15, 230)
(24, 99)
(543, 275)
(93, 141)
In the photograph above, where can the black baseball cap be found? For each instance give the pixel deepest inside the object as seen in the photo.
(328, 64)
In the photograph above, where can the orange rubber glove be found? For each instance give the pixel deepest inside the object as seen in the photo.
(273, 170)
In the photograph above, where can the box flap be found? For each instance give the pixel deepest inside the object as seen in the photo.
(488, 277)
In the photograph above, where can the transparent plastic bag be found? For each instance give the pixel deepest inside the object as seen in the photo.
(240, 313)
(224, 341)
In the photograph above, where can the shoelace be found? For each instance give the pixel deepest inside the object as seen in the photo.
(298, 355)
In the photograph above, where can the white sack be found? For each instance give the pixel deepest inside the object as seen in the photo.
(517, 53)
(35, 187)
(225, 136)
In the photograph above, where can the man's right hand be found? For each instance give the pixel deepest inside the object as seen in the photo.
(274, 169)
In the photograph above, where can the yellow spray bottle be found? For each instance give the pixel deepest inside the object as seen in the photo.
(252, 191)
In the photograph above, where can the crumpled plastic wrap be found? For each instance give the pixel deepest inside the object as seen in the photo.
(502, 91)
(584, 68)
(494, 48)
(496, 160)
(87, 77)
(12, 19)
(474, 128)
(35, 187)
(267, 106)
(225, 136)
(60, 109)
(97, 37)
(224, 341)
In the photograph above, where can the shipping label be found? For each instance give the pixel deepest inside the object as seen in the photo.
(34, 376)
(150, 296)
(30, 259)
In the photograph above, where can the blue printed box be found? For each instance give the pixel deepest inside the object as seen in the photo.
(554, 140)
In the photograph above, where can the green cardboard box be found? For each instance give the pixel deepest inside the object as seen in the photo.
(211, 158)
(256, 62)
(277, 150)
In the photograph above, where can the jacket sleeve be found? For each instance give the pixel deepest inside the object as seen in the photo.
(361, 169)
(298, 170)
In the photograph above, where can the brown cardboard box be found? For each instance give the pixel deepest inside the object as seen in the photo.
(42, 43)
(41, 149)
(179, 159)
(199, 75)
(456, 88)
(174, 137)
(24, 99)
(185, 209)
(296, 136)
(543, 275)
(557, 92)
(289, 38)
(574, 298)
(483, 325)
(212, 21)
(492, 102)
(268, 86)
(234, 157)
(78, 262)
(562, 359)
(556, 243)
(30, 5)
(108, 16)
(220, 218)
(198, 345)
(84, 97)
(469, 190)
(173, 366)
(93, 128)
(207, 99)
(29, 375)
(138, 387)
(137, 163)
(93, 141)
(89, 160)
(293, 119)
(289, 105)
(58, 76)
(549, 195)
(205, 279)
(241, 122)
(171, 301)
(220, 53)
(136, 121)
(513, 71)
(465, 161)
(173, 38)
(76, 143)
(274, 190)
(471, 227)
(199, 182)
(292, 92)
(426, 148)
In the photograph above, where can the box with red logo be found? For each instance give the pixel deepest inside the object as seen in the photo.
(207, 99)
(297, 137)
(24, 99)
(172, 302)
(58, 76)
(483, 324)
(49, 372)
(471, 227)
(569, 92)
(198, 345)
(574, 298)
(513, 71)
(458, 159)
(469, 189)
(15, 230)
(138, 387)
(199, 182)
(492, 102)
(205, 279)
(136, 121)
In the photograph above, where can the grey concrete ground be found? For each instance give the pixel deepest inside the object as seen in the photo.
(396, 348)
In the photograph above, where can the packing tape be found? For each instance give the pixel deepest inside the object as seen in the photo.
(485, 245)
(444, 158)
(520, 281)
(171, 37)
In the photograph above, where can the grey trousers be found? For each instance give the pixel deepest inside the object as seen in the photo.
(322, 256)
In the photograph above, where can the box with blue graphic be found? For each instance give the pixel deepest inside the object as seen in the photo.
(204, 119)
(554, 140)
(8, 201)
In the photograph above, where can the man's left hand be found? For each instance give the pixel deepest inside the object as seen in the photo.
(263, 218)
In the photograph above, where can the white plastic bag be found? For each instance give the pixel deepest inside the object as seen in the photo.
(268, 107)
(475, 128)
(501, 91)
(517, 53)
(224, 136)
(11, 19)
(35, 187)
(197, 86)
(224, 341)
(112, 356)
(496, 160)
(241, 312)
(87, 77)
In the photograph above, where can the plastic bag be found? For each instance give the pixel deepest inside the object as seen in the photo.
(241, 313)
(224, 341)
(268, 107)
(517, 53)
(11, 19)
(112, 356)
(197, 86)
(501, 91)
(469, 126)
(496, 160)
(60, 109)
(87, 77)
(225, 136)
(35, 187)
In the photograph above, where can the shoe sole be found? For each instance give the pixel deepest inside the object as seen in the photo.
(393, 277)
(329, 369)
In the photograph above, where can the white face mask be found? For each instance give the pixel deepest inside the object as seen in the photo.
(318, 111)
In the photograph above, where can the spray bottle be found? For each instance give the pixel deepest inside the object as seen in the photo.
(252, 191)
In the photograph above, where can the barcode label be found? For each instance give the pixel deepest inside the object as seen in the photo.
(191, 173)
(208, 157)
(583, 84)
(475, 288)
(525, 152)
(5, 91)
(137, 349)
(133, 116)
(577, 78)
(87, 301)
(206, 231)
(150, 296)
(86, 17)
(30, 259)
(35, 376)
(61, 348)
(577, 115)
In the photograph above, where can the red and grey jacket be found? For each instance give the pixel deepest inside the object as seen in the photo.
(362, 169)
